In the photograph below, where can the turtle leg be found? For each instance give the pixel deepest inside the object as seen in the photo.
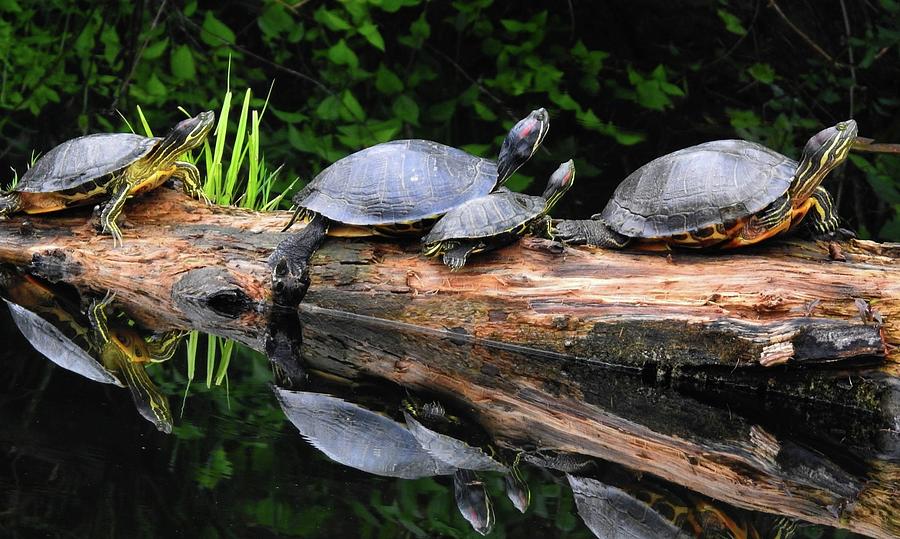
(113, 209)
(150, 403)
(823, 219)
(290, 262)
(455, 257)
(588, 232)
(10, 203)
(190, 180)
(162, 346)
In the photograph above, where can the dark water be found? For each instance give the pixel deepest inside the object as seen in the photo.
(78, 461)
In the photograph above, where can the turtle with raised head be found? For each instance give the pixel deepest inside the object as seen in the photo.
(494, 220)
(394, 188)
(108, 167)
(724, 194)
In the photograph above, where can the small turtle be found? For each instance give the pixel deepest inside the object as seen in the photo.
(442, 438)
(114, 166)
(394, 188)
(107, 352)
(494, 220)
(725, 193)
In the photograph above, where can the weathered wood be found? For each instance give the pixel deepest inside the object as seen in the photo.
(583, 350)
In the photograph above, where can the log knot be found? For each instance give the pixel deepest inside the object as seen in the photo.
(210, 293)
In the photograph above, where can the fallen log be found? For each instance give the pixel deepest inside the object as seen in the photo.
(581, 350)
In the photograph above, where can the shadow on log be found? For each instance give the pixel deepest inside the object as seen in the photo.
(631, 357)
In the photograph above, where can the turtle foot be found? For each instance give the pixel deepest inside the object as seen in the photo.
(290, 280)
(570, 232)
(284, 340)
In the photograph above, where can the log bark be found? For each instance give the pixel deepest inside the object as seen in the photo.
(638, 358)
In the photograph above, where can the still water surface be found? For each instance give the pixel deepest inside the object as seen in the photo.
(78, 461)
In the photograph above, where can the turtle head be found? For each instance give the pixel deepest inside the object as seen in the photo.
(185, 136)
(823, 152)
(559, 183)
(520, 144)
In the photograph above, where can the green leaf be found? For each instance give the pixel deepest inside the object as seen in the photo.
(406, 109)
(651, 96)
(155, 87)
(442, 111)
(420, 29)
(764, 73)
(111, 45)
(275, 20)
(387, 82)
(332, 20)
(341, 54)
(372, 35)
(154, 51)
(215, 32)
(353, 106)
(182, 63)
(732, 23)
(329, 108)
(743, 119)
(483, 111)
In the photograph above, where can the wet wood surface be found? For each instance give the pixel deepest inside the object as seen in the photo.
(582, 350)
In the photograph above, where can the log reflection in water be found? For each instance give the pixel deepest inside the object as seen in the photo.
(561, 403)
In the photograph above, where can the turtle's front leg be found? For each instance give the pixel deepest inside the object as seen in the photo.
(587, 232)
(455, 257)
(10, 203)
(113, 209)
(190, 180)
(290, 262)
(823, 219)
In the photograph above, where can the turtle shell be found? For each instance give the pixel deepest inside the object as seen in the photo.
(354, 436)
(705, 185)
(84, 159)
(401, 181)
(451, 451)
(487, 216)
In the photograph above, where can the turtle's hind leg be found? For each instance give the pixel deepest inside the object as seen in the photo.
(10, 203)
(588, 232)
(290, 262)
(112, 210)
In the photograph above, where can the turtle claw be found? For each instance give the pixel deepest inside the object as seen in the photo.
(454, 262)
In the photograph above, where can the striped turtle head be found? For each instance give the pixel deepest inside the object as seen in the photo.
(560, 182)
(521, 142)
(823, 152)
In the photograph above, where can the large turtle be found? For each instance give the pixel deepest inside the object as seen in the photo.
(110, 352)
(725, 193)
(114, 166)
(397, 187)
(494, 220)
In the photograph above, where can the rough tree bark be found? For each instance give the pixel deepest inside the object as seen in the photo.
(638, 358)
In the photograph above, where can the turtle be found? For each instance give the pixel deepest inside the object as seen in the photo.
(494, 220)
(442, 438)
(357, 437)
(723, 194)
(610, 512)
(111, 166)
(110, 352)
(395, 188)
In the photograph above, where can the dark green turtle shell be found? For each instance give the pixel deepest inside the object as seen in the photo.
(402, 181)
(487, 216)
(84, 159)
(451, 451)
(705, 185)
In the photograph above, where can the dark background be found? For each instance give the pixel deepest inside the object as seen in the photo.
(625, 81)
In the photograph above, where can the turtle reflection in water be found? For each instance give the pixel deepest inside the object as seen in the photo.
(725, 193)
(375, 443)
(105, 350)
(630, 510)
(111, 166)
